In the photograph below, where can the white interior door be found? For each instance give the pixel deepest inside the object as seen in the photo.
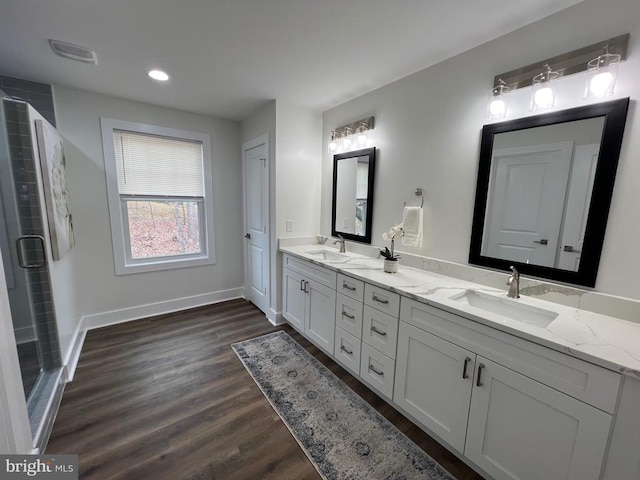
(578, 202)
(525, 209)
(256, 172)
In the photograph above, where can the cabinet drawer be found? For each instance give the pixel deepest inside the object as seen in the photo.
(347, 351)
(350, 287)
(311, 271)
(380, 331)
(381, 299)
(349, 315)
(590, 383)
(377, 370)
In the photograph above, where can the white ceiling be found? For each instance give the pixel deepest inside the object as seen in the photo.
(227, 58)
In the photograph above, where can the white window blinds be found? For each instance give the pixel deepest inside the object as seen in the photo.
(158, 166)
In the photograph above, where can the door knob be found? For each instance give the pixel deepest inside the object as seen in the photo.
(248, 235)
(569, 248)
(544, 241)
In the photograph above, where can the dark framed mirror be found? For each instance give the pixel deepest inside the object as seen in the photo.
(544, 189)
(352, 210)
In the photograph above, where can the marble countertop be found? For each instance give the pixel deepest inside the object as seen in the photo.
(600, 339)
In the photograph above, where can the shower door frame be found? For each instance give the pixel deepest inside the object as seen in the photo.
(14, 419)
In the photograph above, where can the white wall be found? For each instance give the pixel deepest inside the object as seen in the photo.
(295, 145)
(428, 125)
(298, 161)
(95, 287)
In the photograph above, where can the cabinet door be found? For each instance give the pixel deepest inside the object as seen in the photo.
(520, 429)
(433, 383)
(294, 299)
(321, 315)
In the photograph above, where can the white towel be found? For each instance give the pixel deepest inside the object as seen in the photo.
(412, 224)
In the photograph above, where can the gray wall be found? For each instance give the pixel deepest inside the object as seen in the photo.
(96, 287)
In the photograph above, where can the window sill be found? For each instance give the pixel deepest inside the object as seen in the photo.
(156, 265)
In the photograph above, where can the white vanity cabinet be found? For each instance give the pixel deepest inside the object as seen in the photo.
(309, 300)
(433, 383)
(517, 410)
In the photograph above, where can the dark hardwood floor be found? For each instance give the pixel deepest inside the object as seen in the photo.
(166, 398)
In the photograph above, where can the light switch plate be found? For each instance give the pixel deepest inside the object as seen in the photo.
(289, 225)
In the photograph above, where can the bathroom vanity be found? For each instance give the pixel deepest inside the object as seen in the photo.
(518, 389)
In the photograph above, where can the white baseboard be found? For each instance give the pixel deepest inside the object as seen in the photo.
(275, 318)
(112, 317)
(73, 355)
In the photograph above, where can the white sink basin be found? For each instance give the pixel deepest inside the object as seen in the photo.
(507, 307)
(328, 255)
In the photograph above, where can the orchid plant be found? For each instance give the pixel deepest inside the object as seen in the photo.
(397, 231)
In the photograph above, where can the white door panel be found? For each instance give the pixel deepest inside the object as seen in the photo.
(524, 213)
(256, 171)
(583, 173)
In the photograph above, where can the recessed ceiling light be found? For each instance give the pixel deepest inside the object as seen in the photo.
(158, 75)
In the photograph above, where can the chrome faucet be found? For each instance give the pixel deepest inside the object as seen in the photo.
(341, 242)
(514, 283)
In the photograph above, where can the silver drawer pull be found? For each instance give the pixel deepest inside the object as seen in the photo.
(345, 314)
(375, 330)
(377, 372)
(342, 347)
(348, 287)
(384, 301)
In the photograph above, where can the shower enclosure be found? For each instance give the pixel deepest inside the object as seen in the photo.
(23, 248)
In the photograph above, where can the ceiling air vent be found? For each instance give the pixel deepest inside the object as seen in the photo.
(73, 52)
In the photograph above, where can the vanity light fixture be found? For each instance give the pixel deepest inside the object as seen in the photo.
(543, 94)
(354, 135)
(601, 74)
(600, 70)
(497, 106)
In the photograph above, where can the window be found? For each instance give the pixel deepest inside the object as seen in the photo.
(159, 188)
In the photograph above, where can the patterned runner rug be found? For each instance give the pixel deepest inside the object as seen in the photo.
(343, 436)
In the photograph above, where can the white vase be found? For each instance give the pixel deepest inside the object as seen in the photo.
(391, 266)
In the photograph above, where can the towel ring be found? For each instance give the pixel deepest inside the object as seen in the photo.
(418, 193)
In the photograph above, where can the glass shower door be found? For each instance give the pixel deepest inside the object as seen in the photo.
(23, 252)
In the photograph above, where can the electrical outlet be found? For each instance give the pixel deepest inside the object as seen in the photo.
(289, 225)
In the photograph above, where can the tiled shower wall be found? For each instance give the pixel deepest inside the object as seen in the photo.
(39, 95)
(32, 222)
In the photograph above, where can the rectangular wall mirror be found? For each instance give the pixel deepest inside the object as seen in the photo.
(544, 189)
(352, 211)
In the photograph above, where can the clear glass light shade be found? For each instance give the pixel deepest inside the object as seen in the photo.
(601, 76)
(497, 103)
(361, 136)
(333, 143)
(346, 140)
(543, 95)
